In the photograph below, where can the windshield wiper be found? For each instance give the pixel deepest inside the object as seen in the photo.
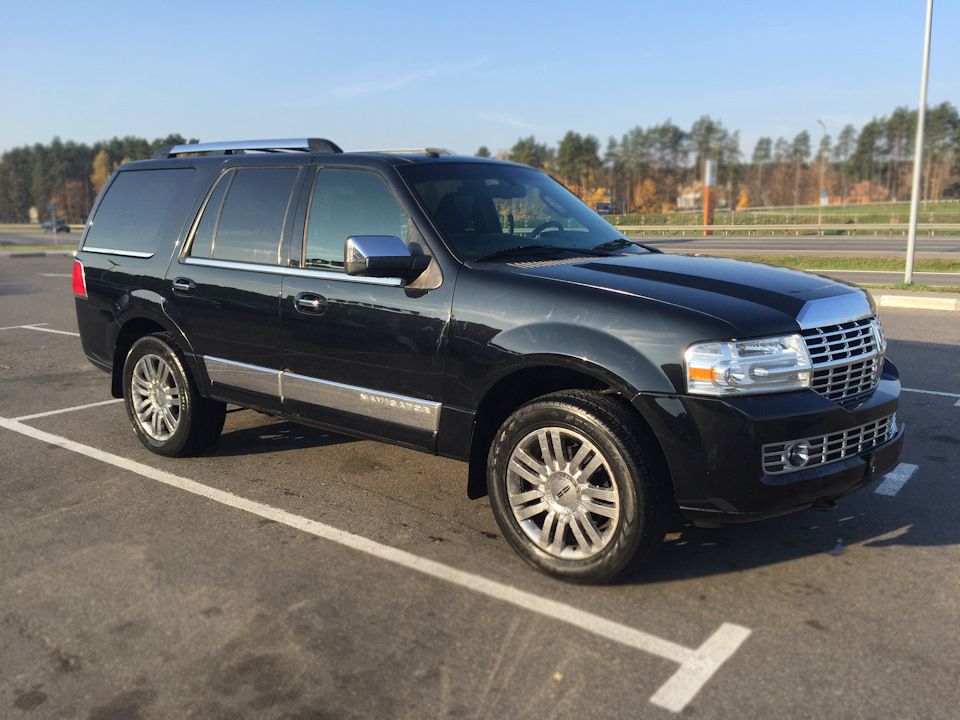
(621, 243)
(541, 250)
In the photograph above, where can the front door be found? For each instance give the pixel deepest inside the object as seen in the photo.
(364, 354)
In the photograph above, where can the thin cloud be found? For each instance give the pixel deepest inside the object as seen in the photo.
(513, 122)
(376, 86)
(402, 81)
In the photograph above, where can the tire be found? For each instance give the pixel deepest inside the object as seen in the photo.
(168, 414)
(575, 487)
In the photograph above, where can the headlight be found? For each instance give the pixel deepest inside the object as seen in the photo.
(764, 365)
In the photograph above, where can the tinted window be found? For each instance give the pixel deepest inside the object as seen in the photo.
(250, 226)
(486, 208)
(136, 209)
(203, 237)
(349, 203)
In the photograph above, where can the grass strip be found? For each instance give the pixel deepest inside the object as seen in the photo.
(915, 287)
(854, 263)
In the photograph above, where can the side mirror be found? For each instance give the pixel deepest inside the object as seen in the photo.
(383, 256)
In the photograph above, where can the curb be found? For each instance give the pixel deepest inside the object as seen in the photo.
(39, 253)
(919, 302)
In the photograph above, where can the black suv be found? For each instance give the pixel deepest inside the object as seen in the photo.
(478, 310)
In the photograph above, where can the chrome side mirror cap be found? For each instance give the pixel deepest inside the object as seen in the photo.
(382, 256)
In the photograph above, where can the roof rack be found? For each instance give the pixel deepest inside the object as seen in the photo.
(308, 145)
(432, 152)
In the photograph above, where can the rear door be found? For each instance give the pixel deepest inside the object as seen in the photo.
(224, 288)
(363, 354)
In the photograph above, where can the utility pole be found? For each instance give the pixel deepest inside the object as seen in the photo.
(823, 158)
(918, 150)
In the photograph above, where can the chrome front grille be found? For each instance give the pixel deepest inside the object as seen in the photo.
(805, 453)
(847, 359)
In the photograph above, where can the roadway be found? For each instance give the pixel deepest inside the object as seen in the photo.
(947, 246)
(935, 247)
(855, 245)
(293, 573)
(928, 247)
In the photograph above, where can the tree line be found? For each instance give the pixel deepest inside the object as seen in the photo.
(648, 169)
(67, 173)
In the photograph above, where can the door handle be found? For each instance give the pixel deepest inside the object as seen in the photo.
(183, 286)
(310, 303)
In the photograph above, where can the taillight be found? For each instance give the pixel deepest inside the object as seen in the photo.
(79, 280)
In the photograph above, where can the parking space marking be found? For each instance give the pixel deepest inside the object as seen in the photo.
(66, 410)
(935, 392)
(37, 326)
(697, 665)
(894, 480)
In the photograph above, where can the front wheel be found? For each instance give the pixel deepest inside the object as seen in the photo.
(576, 488)
(167, 412)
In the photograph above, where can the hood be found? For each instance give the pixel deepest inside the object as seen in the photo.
(753, 297)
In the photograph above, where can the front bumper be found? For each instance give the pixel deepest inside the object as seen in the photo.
(714, 448)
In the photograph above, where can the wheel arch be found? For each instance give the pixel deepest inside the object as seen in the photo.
(537, 378)
(132, 330)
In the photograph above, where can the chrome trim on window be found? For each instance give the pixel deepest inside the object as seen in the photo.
(399, 409)
(234, 265)
(288, 271)
(331, 275)
(122, 253)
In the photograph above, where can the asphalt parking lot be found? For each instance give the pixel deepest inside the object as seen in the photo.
(294, 573)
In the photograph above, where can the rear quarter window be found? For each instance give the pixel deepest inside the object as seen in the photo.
(135, 210)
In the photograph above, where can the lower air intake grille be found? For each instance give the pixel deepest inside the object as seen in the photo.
(785, 457)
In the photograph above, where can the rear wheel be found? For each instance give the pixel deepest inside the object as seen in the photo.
(576, 488)
(168, 414)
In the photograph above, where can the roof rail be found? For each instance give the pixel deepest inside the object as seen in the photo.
(308, 145)
(432, 152)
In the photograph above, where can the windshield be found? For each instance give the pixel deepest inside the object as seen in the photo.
(492, 211)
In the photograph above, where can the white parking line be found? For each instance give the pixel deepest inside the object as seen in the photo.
(37, 326)
(66, 410)
(935, 392)
(697, 665)
(894, 480)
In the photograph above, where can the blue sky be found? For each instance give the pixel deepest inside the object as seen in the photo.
(374, 74)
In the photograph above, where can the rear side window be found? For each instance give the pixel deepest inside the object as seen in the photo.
(244, 217)
(135, 210)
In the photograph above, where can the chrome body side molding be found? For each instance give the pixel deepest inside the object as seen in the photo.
(290, 387)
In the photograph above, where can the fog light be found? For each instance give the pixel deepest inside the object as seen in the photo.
(797, 454)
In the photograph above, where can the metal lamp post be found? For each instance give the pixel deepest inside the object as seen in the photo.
(918, 150)
(823, 158)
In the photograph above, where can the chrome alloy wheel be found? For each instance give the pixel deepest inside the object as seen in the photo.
(563, 493)
(155, 391)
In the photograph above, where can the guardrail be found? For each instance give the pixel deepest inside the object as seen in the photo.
(34, 227)
(845, 228)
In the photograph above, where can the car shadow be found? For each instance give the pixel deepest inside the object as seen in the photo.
(273, 436)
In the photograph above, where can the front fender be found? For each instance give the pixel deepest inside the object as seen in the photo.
(595, 352)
